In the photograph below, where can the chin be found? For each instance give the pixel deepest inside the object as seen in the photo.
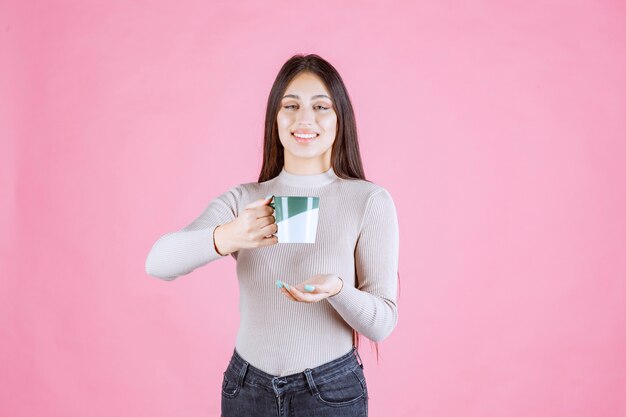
(305, 155)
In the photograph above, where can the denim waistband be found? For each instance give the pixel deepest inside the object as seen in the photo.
(240, 370)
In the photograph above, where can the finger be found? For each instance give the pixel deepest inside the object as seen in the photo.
(270, 229)
(266, 237)
(260, 202)
(263, 217)
(288, 294)
(320, 287)
(307, 297)
(288, 288)
(283, 287)
(264, 225)
(268, 240)
(265, 212)
(307, 288)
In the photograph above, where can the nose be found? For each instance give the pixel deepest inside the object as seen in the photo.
(305, 116)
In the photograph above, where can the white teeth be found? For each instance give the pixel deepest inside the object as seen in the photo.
(298, 135)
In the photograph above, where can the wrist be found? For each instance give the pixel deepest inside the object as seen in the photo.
(339, 286)
(218, 241)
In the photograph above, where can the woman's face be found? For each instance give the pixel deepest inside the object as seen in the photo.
(306, 107)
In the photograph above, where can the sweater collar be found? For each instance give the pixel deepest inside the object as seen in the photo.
(310, 180)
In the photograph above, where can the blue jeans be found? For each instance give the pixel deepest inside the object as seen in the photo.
(336, 388)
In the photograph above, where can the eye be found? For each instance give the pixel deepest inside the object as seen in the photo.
(289, 106)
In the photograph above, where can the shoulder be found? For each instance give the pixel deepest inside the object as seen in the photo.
(246, 192)
(377, 207)
(247, 189)
(367, 199)
(365, 192)
(243, 189)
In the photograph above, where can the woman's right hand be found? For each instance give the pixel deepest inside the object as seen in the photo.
(253, 228)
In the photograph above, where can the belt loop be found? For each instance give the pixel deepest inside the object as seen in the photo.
(359, 356)
(309, 379)
(242, 373)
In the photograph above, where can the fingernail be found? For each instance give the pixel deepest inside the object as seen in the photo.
(309, 288)
(279, 284)
(268, 196)
(286, 285)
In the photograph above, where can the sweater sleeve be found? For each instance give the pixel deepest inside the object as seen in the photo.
(371, 308)
(180, 252)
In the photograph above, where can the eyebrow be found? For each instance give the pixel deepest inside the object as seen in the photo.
(313, 97)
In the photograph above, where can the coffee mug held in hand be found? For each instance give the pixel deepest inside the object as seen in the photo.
(296, 218)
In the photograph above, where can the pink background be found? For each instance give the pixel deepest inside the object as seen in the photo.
(498, 128)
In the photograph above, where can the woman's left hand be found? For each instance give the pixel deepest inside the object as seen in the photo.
(323, 286)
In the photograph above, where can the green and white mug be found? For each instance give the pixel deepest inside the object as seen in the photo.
(296, 217)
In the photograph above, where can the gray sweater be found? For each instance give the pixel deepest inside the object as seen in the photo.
(357, 239)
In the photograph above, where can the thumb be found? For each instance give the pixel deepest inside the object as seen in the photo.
(261, 201)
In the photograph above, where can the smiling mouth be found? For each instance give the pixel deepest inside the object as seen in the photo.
(305, 138)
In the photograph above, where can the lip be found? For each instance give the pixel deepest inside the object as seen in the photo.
(301, 140)
(304, 132)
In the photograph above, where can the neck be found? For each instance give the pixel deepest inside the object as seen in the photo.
(307, 180)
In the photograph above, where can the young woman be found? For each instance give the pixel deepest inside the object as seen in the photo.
(302, 306)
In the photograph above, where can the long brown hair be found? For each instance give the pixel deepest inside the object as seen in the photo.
(345, 155)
